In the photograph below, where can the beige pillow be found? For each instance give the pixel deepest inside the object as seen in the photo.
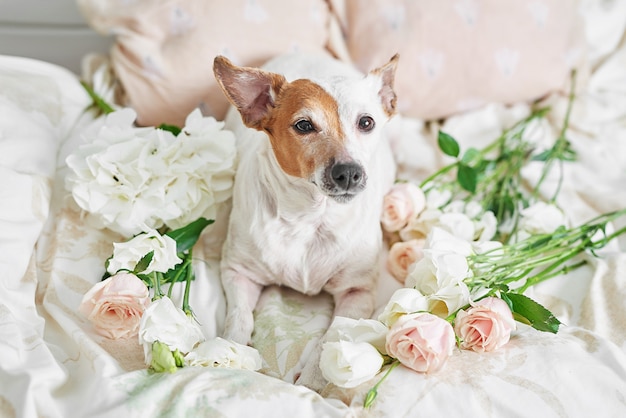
(164, 49)
(459, 55)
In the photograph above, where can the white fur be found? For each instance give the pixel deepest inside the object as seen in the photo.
(283, 230)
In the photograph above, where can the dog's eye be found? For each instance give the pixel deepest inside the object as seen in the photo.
(366, 123)
(304, 126)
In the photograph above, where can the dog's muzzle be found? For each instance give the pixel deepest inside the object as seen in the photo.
(343, 181)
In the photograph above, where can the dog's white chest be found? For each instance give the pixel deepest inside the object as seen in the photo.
(304, 255)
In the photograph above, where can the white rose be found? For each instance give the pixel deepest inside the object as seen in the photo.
(164, 322)
(486, 226)
(494, 248)
(348, 364)
(222, 353)
(437, 198)
(458, 224)
(358, 330)
(439, 275)
(542, 218)
(440, 279)
(472, 208)
(442, 241)
(420, 227)
(127, 254)
(403, 301)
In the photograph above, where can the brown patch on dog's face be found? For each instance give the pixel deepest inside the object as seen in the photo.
(304, 128)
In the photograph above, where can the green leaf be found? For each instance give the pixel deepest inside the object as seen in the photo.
(106, 274)
(98, 101)
(532, 312)
(187, 236)
(170, 128)
(569, 154)
(177, 274)
(470, 155)
(448, 145)
(143, 264)
(543, 156)
(466, 176)
(148, 279)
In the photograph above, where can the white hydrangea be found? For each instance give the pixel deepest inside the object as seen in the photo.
(134, 179)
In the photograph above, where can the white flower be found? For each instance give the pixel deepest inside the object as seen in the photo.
(458, 224)
(484, 223)
(486, 226)
(403, 301)
(131, 179)
(472, 209)
(201, 163)
(440, 279)
(348, 364)
(358, 330)
(127, 254)
(440, 240)
(542, 218)
(492, 247)
(436, 198)
(421, 226)
(164, 322)
(439, 275)
(222, 353)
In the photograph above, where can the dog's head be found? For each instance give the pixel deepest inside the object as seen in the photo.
(324, 132)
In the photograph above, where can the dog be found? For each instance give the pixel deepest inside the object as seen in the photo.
(313, 168)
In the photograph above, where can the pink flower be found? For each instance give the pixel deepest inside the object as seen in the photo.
(402, 203)
(401, 257)
(115, 306)
(421, 341)
(486, 326)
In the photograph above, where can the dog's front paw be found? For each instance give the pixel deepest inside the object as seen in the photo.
(237, 329)
(311, 377)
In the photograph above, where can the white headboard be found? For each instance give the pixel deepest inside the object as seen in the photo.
(49, 30)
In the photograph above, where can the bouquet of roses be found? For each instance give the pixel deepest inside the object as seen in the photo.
(466, 244)
(160, 188)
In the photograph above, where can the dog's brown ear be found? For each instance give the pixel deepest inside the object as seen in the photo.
(386, 93)
(250, 90)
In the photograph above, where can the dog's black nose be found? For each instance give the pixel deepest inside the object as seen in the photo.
(347, 176)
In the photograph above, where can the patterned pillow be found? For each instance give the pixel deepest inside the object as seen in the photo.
(459, 55)
(164, 50)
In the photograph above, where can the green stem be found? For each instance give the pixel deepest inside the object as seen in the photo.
(543, 277)
(614, 234)
(559, 147)
(189, 272)
(436, 174)
(97, 100)
(373, 392)
(158, 293)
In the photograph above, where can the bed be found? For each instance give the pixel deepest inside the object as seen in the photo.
(52, 363)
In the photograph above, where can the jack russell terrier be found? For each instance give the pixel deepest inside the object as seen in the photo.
(313, 168)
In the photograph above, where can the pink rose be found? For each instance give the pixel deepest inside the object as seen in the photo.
(486, 326)
(401, 257)
(421, 341)
(115, 306)
(402, 203)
